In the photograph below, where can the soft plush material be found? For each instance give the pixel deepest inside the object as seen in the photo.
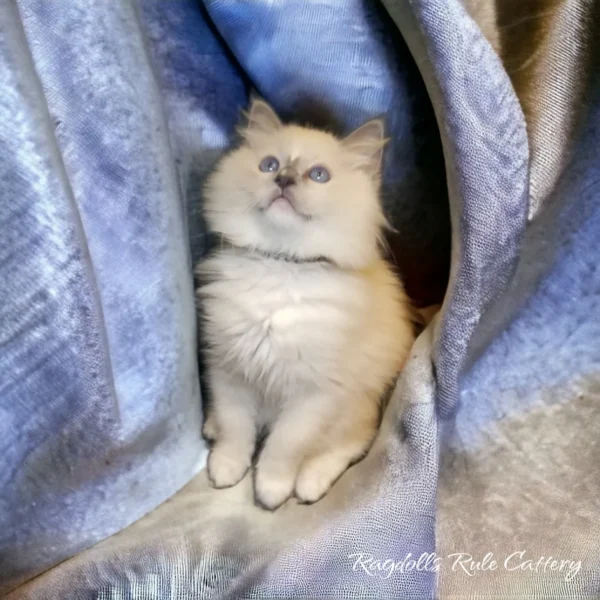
(485, 478)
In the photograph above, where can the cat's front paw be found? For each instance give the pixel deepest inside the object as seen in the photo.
(272, 489)
(317, 476)
(225, 469)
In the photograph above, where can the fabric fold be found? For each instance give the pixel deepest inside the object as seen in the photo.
(487, 445)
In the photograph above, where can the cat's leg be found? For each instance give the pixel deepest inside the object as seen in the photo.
(233, 416)
(293, 437)
(346, 442)
(210, 429)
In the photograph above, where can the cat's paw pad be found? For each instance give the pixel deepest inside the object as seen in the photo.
(272, 491)
(225, 470)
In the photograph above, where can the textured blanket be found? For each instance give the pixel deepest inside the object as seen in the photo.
(484, 481)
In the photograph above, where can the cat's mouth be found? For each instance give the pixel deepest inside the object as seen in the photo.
(283, 202)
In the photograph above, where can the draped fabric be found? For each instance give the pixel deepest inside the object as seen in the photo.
(485, 477)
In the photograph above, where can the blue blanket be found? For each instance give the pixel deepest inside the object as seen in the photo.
(485, 478)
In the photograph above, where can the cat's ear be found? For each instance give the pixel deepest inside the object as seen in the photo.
(262, 118)
(366, 143)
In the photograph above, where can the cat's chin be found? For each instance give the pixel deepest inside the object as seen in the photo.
(283, 211)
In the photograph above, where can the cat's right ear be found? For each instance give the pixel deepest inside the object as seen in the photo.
(261, 118)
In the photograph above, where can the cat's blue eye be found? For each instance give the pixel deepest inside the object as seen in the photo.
(269, 164)
(319, 174)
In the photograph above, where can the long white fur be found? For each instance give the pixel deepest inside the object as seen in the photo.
(304, 322)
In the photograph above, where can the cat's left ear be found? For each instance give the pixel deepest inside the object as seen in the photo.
(262, 118)
(367, 143)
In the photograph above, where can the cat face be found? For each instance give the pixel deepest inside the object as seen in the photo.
(299, 191)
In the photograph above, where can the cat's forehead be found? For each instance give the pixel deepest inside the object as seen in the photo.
(300, 143)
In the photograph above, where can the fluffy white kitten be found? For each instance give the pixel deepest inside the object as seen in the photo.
(304, 323)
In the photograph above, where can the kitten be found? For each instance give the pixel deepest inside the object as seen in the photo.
(304, 322)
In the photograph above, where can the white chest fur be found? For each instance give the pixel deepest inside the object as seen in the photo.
(283, 326)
